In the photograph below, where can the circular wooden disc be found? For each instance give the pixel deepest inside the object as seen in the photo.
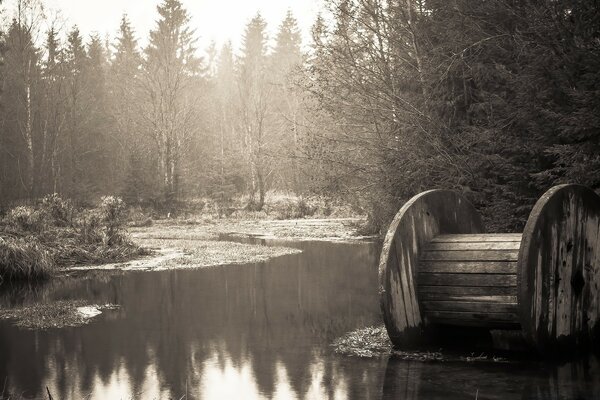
(558, 275)
(424, 216)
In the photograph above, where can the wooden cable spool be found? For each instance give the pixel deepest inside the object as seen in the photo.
(437, 267)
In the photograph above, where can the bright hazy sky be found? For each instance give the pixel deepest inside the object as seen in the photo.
(218, 20)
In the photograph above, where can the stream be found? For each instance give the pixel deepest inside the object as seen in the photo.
(248, 331)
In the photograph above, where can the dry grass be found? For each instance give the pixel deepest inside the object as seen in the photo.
(59, 314)
(375, 342)
(37, 241)
(334, 229)
(208, 253)
(24, 259)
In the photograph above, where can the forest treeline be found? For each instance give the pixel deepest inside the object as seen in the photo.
(497, 99)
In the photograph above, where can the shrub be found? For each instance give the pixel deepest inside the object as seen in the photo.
(24, 259)
(59, 211)
(305, 209)
(25, 218)
(89, 227)
(113, 215)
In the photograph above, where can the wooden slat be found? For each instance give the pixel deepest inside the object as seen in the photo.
(467, 279)
(470, 316)
(469, 267)
(504, 323)
(457, 246)
(470, 306)
(476, 255)
(424, 290)
(448, 297)
(485, 237)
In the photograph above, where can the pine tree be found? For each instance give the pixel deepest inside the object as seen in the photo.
(170, 68)
(53, 113)
(286, 63)
(76, 61)
(254, 106)
(22, 75)
(133, 147)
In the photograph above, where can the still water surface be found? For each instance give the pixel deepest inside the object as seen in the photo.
(248, 331)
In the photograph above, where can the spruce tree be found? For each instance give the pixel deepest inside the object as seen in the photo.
(169, 70)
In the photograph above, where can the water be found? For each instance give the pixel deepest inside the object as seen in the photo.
(248, 331)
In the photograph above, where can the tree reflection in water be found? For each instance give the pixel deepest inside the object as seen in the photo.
(260, 330)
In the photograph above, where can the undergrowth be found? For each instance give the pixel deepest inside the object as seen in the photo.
(36, 241)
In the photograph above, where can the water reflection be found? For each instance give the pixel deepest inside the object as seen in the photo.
(524, 380)
(262, 329)
(253, 331)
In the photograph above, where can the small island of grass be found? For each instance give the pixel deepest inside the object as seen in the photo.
(38, 241)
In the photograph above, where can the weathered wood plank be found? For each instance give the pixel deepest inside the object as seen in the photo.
(469, 267)
(466, 279)
(559, 269)
(473, 238)
(472, 316)
(472, 246)
(425, 290)
(423, 217)
(467, 298)
(504, 323)
(474, 255)
(469, 306)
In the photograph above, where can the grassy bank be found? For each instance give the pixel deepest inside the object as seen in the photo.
(37, 241)
(278, 206)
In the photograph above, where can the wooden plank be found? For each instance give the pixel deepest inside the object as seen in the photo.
(504, 323)
(467, 290)
(449, 297)
(470, 306)
(457, 246)
(472, 316)
(476, 255)
(418, 221)
(485, 237)
(466, 279)
(469, 267)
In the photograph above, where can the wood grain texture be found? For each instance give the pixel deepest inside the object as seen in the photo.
(467, 290)
(422, 218)
(479, 280)
(471, 255)
(559, 270)
(473, 246)
(479, 319)
(469, 267)
(471, 306)
(474, 238)
(475, 267)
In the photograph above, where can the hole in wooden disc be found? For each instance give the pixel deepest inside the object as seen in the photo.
(577, 282)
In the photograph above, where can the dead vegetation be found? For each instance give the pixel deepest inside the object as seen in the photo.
(374, 342)
(58, 314)
(36, 241)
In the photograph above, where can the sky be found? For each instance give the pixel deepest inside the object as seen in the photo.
(218, 20)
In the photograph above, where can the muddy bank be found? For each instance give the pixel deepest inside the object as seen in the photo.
(176, 253)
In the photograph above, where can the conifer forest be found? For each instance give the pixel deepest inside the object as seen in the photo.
(497, 99)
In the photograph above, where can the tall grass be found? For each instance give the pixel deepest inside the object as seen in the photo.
(24, 260)
(35, 241)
